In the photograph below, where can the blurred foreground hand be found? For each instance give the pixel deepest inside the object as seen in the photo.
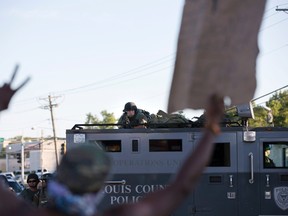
(6, 92)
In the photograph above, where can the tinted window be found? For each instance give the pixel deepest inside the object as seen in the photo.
(110, 145)
(275, 155)
(165, 145)
(221, 155)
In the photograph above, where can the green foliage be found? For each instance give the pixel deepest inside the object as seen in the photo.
(90, 119)
(107, 118)
(278, 103)
(260, 115)
(231, 117)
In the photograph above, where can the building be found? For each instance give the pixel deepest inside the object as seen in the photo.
(38, 155)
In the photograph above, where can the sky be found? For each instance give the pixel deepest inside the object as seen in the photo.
(93, 55)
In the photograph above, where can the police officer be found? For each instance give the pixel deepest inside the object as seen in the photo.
(132, 117)
(267, 160)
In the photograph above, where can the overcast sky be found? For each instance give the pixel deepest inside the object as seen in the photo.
(96, 55)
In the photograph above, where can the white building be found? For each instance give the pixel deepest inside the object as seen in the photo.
(37, 155)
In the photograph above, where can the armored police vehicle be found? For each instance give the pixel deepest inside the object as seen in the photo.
(247, 174)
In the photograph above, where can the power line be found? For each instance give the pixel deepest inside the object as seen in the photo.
(269, 93)
(264, 18)
(143, 68)
(125, 74)
(273, 24)
(253, 100)
(104, 85)
(281, 9)
(168, 58)
(275, 7)
(274, 50)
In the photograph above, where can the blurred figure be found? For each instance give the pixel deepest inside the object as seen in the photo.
(3, 181)
(5, 184)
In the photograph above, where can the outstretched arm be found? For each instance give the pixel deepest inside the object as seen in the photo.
(165, 201)
(6, 92)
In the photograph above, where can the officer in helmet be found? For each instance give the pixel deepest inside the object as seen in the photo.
(268, 162)
(132, 117)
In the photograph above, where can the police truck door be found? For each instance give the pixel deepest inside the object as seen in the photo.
(216, 193)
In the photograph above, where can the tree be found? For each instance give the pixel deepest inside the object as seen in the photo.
(107, 118)
(278, 103)
(260, 115)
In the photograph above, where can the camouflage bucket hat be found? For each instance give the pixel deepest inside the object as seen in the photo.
(83, 169)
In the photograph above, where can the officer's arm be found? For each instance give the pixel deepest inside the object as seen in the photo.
(122, 121)
(141, 121)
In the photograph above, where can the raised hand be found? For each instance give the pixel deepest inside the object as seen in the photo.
(214, 113)
(6, 92)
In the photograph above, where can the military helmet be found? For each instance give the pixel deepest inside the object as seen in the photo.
(129, 106)
(267, 147)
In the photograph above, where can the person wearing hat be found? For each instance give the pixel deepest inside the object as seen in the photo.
(31, 194)
(77, 186)
(133, 117)
(268, 162)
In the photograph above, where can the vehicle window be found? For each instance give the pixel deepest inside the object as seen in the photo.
(275, 155)
(110, 145)
(165, 145)
(221, 155)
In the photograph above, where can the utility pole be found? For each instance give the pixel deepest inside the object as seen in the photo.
(50, 107)
(41, 151)
(22, 159)
(53, 126)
